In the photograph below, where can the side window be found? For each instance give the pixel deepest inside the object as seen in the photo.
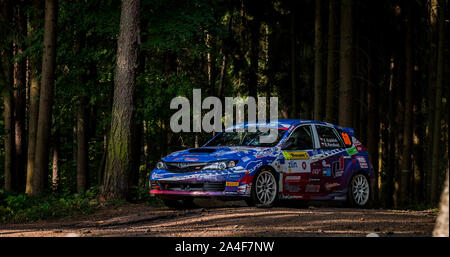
(328, 138)
(300, 139)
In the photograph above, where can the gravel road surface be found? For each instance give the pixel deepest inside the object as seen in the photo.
(231, 219)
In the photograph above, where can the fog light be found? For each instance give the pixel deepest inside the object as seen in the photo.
(231, 164)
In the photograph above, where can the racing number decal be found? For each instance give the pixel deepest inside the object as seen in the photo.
(346, 138)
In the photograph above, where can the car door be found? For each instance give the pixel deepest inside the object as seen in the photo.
(296, 165)
(334, 159)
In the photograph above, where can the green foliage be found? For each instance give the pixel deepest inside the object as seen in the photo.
(179, 26)
(18, 208)
(140, 194)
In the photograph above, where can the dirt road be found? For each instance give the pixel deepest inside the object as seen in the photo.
(233, 220)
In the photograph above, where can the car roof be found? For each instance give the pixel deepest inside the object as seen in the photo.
(288, 122)
(295, 122)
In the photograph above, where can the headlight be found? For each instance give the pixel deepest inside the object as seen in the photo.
(161, 165)
(222, 165)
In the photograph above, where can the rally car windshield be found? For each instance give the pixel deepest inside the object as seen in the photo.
(245, 138)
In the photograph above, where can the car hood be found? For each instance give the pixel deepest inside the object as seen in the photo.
(208, 154)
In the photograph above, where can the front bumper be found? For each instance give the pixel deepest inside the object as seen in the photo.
(206, 189)
(206, 184)
(187, 187)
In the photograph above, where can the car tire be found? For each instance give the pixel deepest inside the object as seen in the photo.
(185, 203)
(359, 193)
(264, 189)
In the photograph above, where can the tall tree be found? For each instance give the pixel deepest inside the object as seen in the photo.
(438, 104)
(224, 61)
(441, 228)
(373, 118)
(55, 158)
(7, 91)
(346, 64)
(255, 27)
(33, 108)
(408, 111)
(82, 117)
(318, 62)
(119, 156)
(19, 94)
(82, 143)
(294, 104)
(331, 62)
(45, 98)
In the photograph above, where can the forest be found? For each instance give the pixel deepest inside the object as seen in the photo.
(86, 87)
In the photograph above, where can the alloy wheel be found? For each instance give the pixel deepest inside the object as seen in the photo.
(266, 188)
(360, 189)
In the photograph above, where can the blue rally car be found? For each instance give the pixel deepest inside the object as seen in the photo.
(308, 161)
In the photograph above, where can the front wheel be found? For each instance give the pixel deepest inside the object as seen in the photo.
(359, 191)
(264, 189)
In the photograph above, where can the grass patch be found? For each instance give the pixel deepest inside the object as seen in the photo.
(19, 208)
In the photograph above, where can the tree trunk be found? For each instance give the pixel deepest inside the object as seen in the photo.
(387, 185)
(255, 27)
(408, 111)
(441, 227)
(55, 160)
(294, 105)
(33, 108)
(7, 93)
(118, 161)
(45, 99)
(318, 63)
(346, 64)
(432, 57)
(418, 148)
(373, 119)
(19, 97)
(82, 127)
(82, 144)
(331, 63)
(9, 140)
(211, 63)
(102, 165)
(438, 103)
(224, 62)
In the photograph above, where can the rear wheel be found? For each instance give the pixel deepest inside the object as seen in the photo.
(264, 189)
(359, 191)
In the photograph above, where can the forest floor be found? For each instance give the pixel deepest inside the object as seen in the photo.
(234, 219)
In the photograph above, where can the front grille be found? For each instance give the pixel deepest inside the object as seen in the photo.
(188, 186)
(184, 167)
(214, 186)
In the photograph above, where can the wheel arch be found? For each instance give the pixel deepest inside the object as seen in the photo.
(359, 171)
(268, 167)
